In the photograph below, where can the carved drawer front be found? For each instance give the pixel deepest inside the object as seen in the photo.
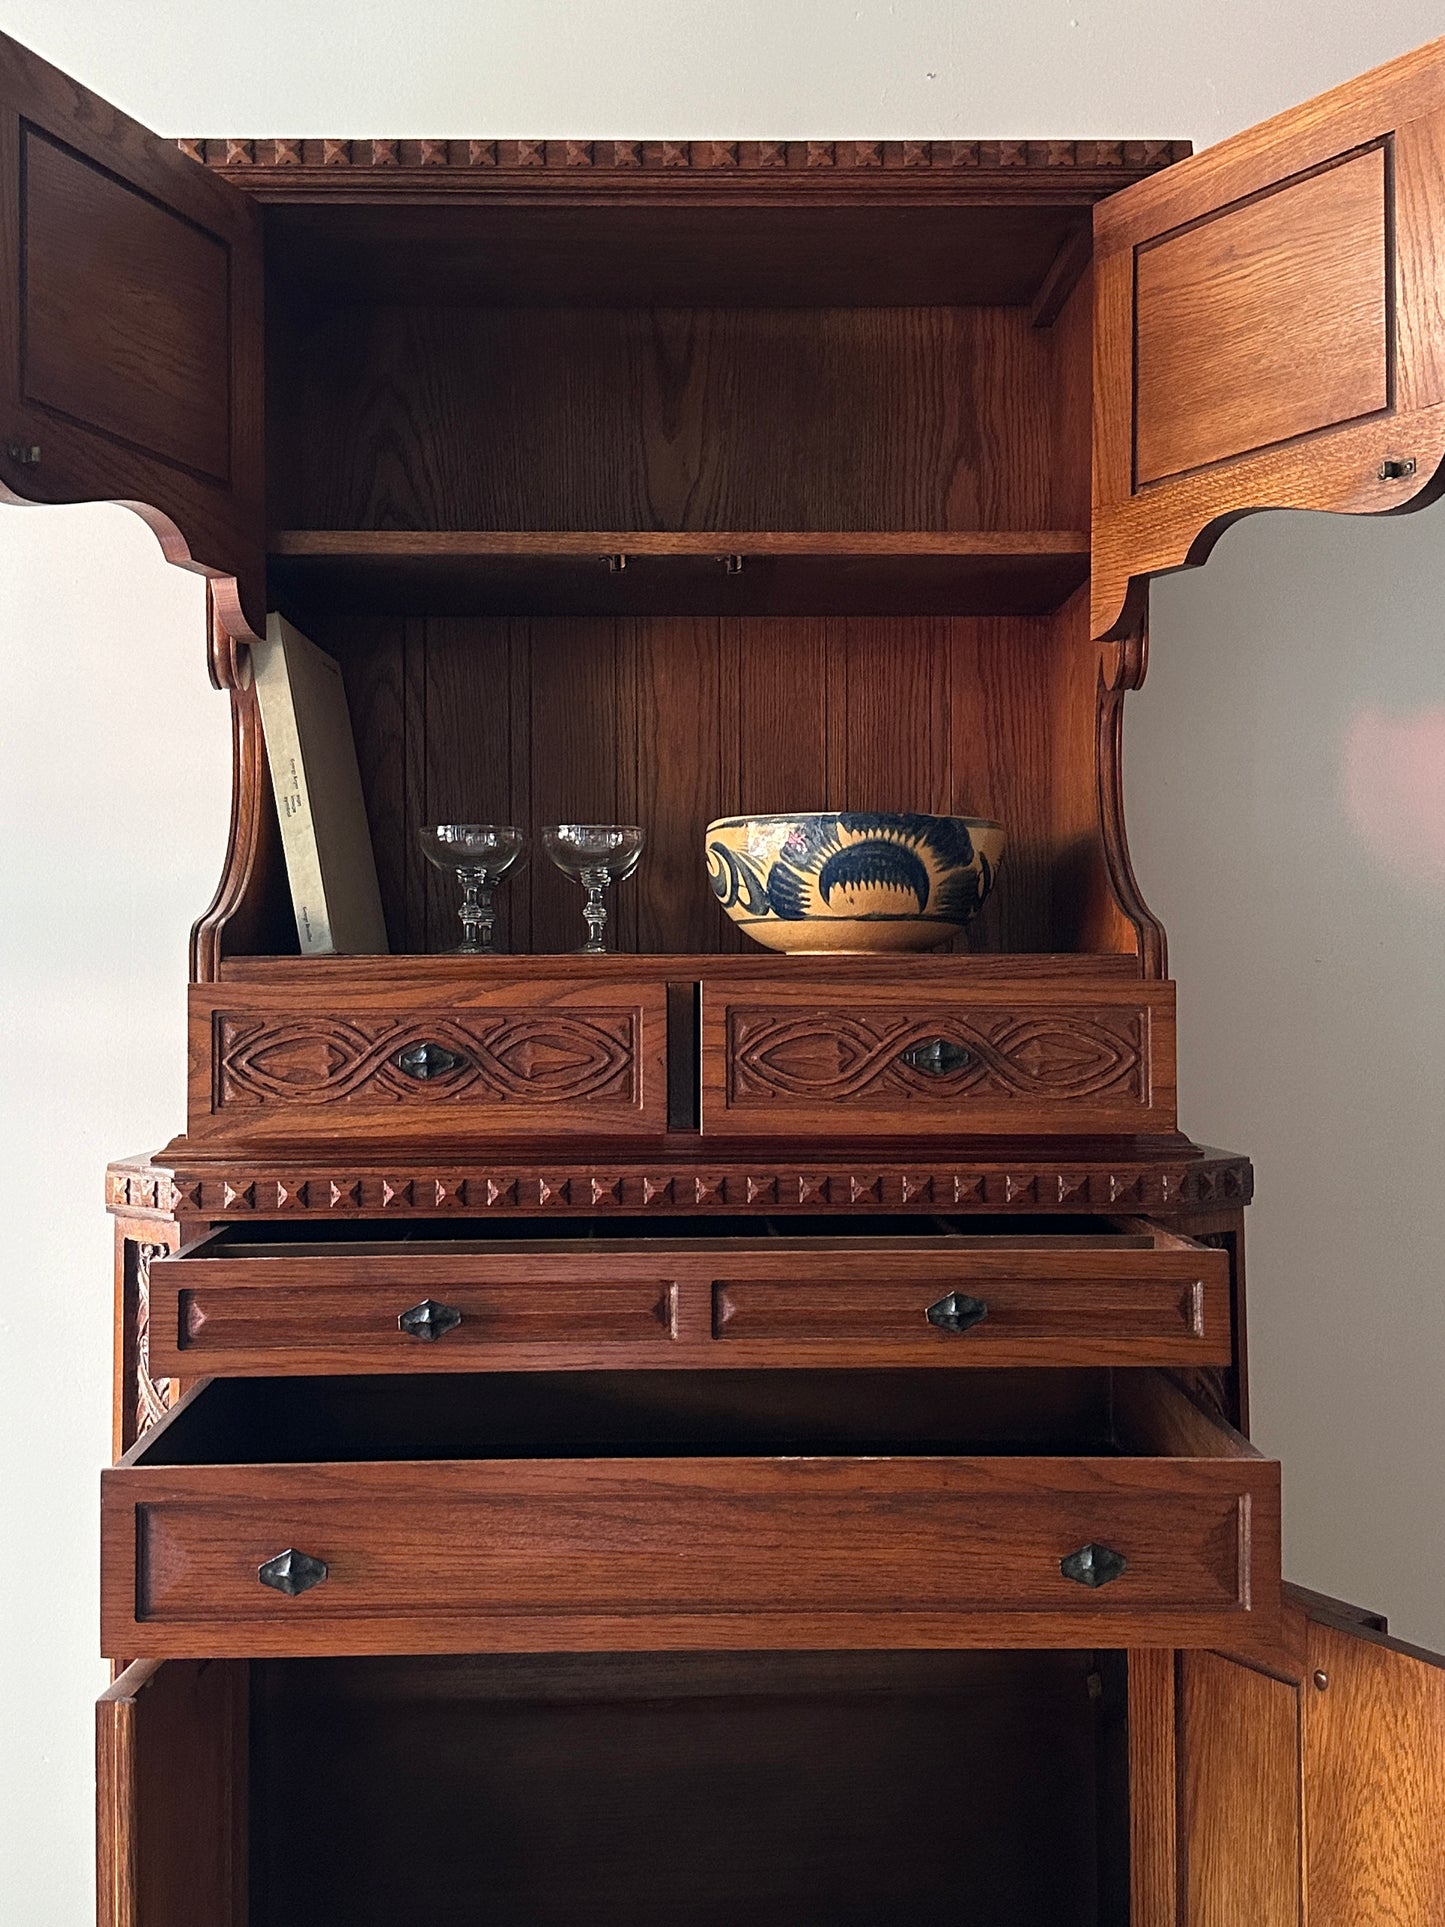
(645, 1511)
(928, 1291)
(872, 1060)
(287, 1063)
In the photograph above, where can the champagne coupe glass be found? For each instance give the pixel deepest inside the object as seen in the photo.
(477, 854)
(596, 854)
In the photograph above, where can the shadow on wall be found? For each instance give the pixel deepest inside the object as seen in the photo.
(1286, 773)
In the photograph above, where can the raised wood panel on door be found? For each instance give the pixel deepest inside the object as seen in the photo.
(299, 1063)
(783, 1302)
(171, 1796)
(1302, 1789)
(130, 329)
(1374, 1771)
(678, 1548)
(1269, 328)
(778, 1057)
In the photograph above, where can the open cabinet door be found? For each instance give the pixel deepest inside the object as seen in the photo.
(171, 1781)
(1270, 328)
(1308, 1792)
(130, 328)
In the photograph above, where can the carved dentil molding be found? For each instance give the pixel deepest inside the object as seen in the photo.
(704, 156)
(319, 1188)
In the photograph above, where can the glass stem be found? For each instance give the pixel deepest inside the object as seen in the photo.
(595, 910)
(477, 915)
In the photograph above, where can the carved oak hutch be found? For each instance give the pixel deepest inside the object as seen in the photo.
(580, 1485)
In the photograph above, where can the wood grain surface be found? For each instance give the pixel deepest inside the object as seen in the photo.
(1301, 1786)
(781, 1055)
(172, 1837)
(678, 1548)
(733, 572)
(1153, 1788)
(671, 722)
(1374, 1764)
(692, 418)
(283, 1064)
(1267, 321)
(130, 329)
(1241, 1820)
(1136, 1295)
(1283, 287)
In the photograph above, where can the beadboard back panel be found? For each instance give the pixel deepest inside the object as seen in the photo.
(673, 721)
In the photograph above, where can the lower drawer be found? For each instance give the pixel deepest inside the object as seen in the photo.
(909, 1291)
(626, 1511)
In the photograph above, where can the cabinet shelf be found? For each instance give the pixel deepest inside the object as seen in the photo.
(692, 572)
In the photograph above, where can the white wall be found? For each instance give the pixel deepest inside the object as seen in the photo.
(1286, 773)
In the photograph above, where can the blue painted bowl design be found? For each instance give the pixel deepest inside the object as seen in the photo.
(852, 881)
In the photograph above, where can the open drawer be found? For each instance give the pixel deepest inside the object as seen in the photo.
(627, 1511)
(918, 1291)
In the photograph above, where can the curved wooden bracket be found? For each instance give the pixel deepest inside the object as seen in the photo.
(1123, 667)
(1158, 534)
(223, 591)
(251, 855)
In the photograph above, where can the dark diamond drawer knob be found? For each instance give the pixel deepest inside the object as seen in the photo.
(292, 1572)
(957, 1312)
(1093, 1565)
(423, 1061)
(938, 1057)
(429, 1320)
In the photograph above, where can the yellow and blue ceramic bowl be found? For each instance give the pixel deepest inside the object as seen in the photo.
(855, 882)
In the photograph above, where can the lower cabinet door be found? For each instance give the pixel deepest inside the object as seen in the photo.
(171, 1796)
(660, 1511)
(1305, 1786)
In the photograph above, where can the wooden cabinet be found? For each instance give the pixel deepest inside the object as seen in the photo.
(695, 1434)
(1190, 1788)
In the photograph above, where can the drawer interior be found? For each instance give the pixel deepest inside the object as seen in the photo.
(366, 1237)
(599, 1415)
(840, 1790)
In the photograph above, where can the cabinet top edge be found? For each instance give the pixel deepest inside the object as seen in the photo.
(309, 168)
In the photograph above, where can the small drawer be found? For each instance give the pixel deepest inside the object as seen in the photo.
(627, 1512)
(427, 1056)
(919, 1291)
(888, 1057)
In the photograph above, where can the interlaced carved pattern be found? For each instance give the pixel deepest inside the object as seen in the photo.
(153, 1395)
(834, 1054)
(531, 1057)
